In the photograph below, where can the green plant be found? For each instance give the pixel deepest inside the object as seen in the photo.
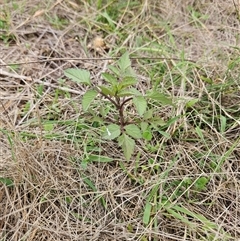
(5, 34)
(7, 181)
(121, 108)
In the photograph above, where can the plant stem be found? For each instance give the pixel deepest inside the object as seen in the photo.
(125, 101)
(109, 98)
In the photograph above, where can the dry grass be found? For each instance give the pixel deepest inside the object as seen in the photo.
(52, 198)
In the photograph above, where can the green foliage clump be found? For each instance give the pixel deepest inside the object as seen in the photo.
(126, 115)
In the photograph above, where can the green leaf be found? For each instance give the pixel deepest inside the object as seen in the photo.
(7, 181)
(114, 69)
(223, 121)
(140, 104)
(112, 131)
(199, 217)
(90, 183)
(133, 131)
(207, 80)
(163, 99)
(88, 97)
(124, 62)
(110, 78)
(124, 93)
(147, 213)
(199, 132)
(147, 135)
(180, 217)
(128, 92)
(104, 110)
(98, 158)
(144, 126)
(106, 91)
(78, 75)
(148, 114)
(129, 72)
(201, 183)
(110, 21)
(128, 81)
(135, 92)
(163, 133)
(127, 145)
(191, 103)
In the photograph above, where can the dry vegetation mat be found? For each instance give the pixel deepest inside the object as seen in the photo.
(119, 120)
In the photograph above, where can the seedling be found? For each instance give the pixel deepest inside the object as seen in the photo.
(123, 110)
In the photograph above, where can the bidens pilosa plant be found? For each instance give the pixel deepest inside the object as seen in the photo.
(122, 109)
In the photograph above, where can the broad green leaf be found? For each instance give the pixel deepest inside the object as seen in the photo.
(127, 145)
(148, 114)
(128, 81)
(124, 62)
(144, 126)
(128, 92)
(7, 181)
(78, 75)
(147, 213)
(163, 99)
(147, 135)
(129, 72)
(133, 131)
(114, 69)
(140, 104)
(135, 92)
(124, 93)
(112, 131)
(106, 91)
(99, 158)
(115, 89)
(110, 78)
(88, 97)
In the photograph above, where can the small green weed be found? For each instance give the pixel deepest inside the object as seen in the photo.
(126, 115)
(5, 34)
(7, 181)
